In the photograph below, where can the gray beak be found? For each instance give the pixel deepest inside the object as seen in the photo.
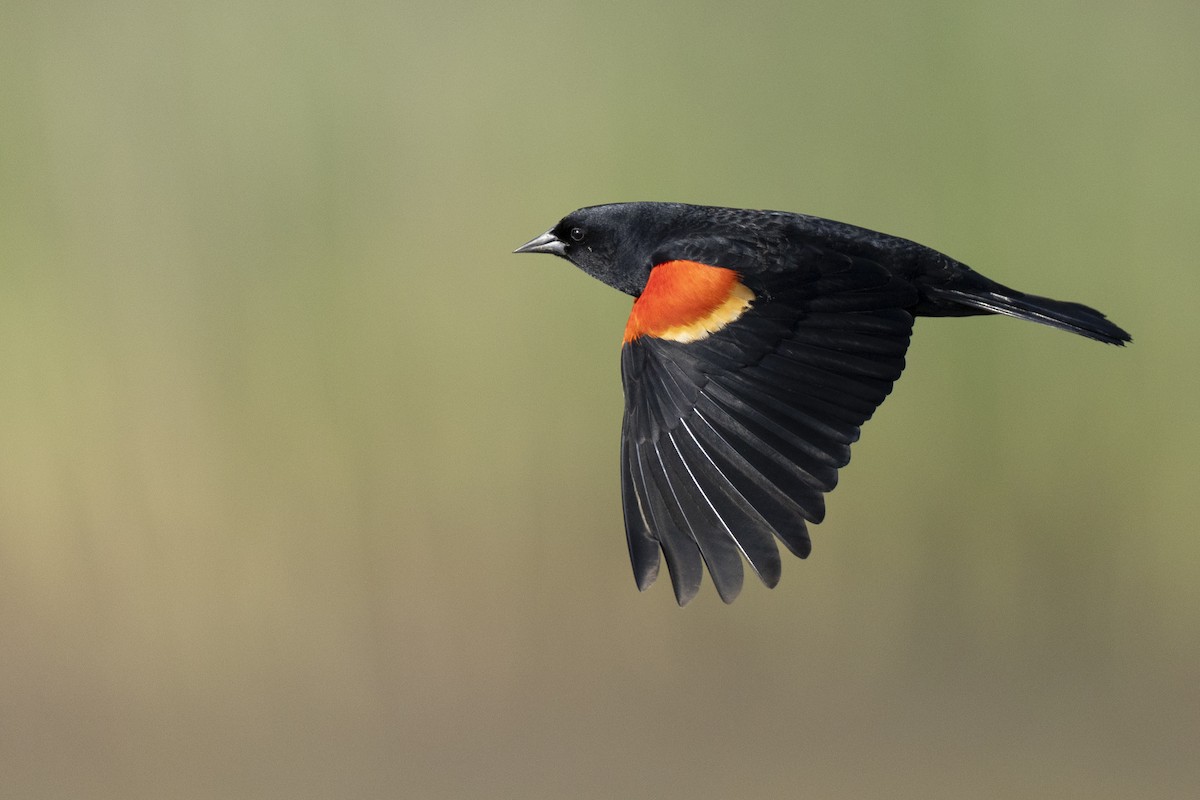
(546, 243)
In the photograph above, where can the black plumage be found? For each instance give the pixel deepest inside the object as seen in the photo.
(739, 413)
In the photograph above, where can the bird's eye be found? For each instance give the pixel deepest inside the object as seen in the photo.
(576, 234)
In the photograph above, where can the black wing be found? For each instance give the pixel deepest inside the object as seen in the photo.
(731, 441)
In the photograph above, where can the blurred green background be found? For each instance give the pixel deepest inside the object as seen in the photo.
(308, 488)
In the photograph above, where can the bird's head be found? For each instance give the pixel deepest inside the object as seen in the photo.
(614, 243)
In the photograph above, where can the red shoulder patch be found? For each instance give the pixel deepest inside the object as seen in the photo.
(685, 301)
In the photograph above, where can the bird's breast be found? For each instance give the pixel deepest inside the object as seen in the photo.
(685, 301)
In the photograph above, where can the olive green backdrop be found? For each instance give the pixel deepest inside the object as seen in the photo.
(309, 489)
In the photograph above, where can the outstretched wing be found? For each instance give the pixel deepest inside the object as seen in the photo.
(742, 397)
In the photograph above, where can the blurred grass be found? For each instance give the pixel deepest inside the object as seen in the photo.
(308, 489)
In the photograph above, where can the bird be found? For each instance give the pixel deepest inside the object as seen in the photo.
(758, 344)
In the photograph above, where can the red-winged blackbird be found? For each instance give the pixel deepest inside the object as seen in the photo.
(758, 344)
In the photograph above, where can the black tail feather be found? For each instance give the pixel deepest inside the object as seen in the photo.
(1072, 317)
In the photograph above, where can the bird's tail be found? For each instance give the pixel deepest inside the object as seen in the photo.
(1073, 317)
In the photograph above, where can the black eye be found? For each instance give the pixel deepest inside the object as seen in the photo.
(576, 234)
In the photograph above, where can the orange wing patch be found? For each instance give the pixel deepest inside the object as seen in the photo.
(685, 301)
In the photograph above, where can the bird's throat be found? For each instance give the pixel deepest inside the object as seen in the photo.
(685, 301)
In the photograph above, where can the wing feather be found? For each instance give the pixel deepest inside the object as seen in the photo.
(732, 440)
(739, 522)
(679, 549)
(643, 547)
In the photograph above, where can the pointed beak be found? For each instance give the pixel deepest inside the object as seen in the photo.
(546, 243)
